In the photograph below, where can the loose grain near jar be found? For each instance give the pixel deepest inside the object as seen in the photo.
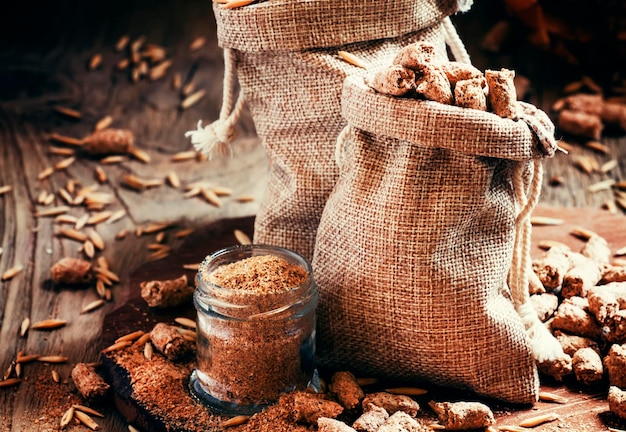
(256, 329)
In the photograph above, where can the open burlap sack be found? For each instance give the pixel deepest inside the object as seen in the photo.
(285, 56)
(428, 218)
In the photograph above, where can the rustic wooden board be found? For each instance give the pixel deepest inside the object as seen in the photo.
(586, 409)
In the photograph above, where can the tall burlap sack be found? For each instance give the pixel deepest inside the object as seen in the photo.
(285, 56)
(417, 239)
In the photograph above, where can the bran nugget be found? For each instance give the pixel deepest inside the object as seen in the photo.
(166, 293)
(371, 420)
(617, 401)
(573, 317)
(394, 80)
(415, 56)
(470, 93)
(170, 342)
(597, 249)
(71, 271)
(391, 403)
(463, 415)
(581, 277)
(613, 273)
(614, 114)
(433, 84)
(580, 124)
(502, 94)
(309, 407)
(348, 392)
(606, 300)
(331, 425)
(110, 141)
(402, 422)
(88, 382)
(615, 365)
(572, 343)
(583, 102)
(457, 71)
(551, 267)
(587, 366)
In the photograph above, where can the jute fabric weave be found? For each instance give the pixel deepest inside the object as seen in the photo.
(291, 77)
(415, 244)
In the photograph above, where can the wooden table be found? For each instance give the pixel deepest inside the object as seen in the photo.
(46, 64)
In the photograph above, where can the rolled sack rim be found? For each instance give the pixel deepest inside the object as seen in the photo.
(294, 25)
(436, 125)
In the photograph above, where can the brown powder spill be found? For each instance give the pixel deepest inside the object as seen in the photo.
(265, 274)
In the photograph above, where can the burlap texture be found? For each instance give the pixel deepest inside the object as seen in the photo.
(291, 77)
(415, 244)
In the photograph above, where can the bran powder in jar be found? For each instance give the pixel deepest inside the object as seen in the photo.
(256, 327)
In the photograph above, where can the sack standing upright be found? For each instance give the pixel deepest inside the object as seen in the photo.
(284, 54)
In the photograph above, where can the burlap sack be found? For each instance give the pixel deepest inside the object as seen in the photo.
(285, 55)
(416, 242)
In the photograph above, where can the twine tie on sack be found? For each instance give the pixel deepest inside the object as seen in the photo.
(341, 140)
(221, 132)
(545, 347)
(459, 52)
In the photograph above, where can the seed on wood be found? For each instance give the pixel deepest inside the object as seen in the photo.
(549, 244)
(193, 267)
(352, 59)
(610, 206)
(173, 180)
(10, 382)
(140, 155)
(188, 88)
(538, 420)
(133, 182)
(197, 43)
(73, 234)
(183, 233)
(192, 99)
(131, 428)
(65, 163)
(81, 222)
(9, 371)
(159, 71)
(556, 180)
(63, 139)
(68, 416)
(551, 397)
(601, 185)
(242, 237)
(245, 198)
(99, 218)
(586, 164)
(100, 288)
(620, 185)
(211, 197)
(117, 215)
(49, 324)
(88, 410)
(111, 160)
(121, 234)
(598, 146)
(131, 336)
(117, 346)
(26, 358)
(24, 327)
(158, 246)
(544, 220)
(148, 350)
(407, 391)
(185, 322)
(564, 145)
(621, 202)
(95, 61)
(108, 273)
(86, 420)
(18, 370)
(512, 428)
(583, 233)
(69, 112)
(92, 306)
(11, 273)
(96, 239)
(48, 199)
(100, 175)
(53, 359)
(183, 156)
(148, 183)
(176, 81)
(60, 151)
(158, 255)
(122, 43)
(237, 420)
(122, 64)
(222, 191)
(156, 227)
(55, 376)
(192, 192)
(65, 195)
(160, 237)
(4, 189)
(45, 173)
(103, 123)
(41, 197)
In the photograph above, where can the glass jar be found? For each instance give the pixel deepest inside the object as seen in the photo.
(254, 342)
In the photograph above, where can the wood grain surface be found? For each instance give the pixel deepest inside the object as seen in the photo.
(44, 52)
